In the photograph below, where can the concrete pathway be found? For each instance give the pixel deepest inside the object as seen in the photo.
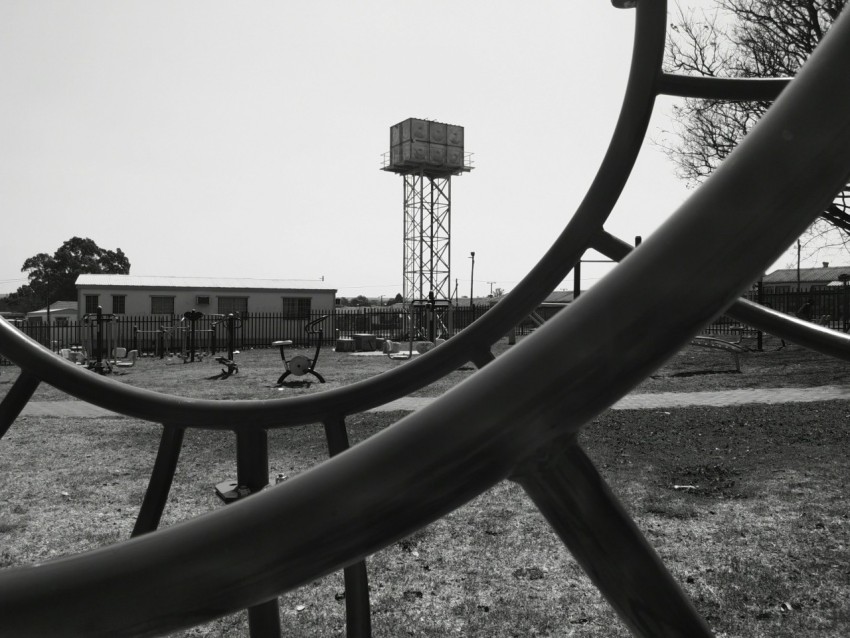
(72, 408)
(685, 399)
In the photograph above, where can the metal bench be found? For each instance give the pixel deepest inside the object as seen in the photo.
(713, 342)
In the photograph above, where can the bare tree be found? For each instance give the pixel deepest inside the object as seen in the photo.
(744, 38)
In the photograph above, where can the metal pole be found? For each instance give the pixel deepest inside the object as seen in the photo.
(471, 277)
(577, 280)
(99, 347)
(47, 281)
(760, 298)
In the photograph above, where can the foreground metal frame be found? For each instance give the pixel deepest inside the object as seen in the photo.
(495, 426)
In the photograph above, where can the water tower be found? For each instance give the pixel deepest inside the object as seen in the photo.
(427, 154)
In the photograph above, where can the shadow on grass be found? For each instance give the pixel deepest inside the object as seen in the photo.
(294, 384)
(695, 373)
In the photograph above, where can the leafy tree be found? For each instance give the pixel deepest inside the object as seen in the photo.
(54, 276)
(745, 38)
(397, 299)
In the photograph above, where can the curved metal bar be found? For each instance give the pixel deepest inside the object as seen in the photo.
(601, 536)
(408, 475)
(803, 333)
(16, 398)
(712, 88)
(818, 338)
(596, 206)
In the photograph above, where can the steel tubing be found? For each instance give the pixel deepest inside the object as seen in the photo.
(570, 493)
(408, 475)
(358, 618)
(804, 333)
(16, 398)
(712, 88)
(597, 204)
(159, 485)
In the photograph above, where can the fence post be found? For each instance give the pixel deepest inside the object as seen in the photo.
(760, 298)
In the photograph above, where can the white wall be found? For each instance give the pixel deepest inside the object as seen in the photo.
(138, 300)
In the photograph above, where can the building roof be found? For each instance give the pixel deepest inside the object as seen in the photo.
(56, 306)
(196, 283)
(560, 296)
(807, 275)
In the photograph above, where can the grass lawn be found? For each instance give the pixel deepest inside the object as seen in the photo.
(746, 505)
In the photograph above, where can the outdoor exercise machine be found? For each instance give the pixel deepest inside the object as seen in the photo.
(139, 339)
(190, 335)
(299, 365)
(481, 432)
(231, 323)
(99, 330)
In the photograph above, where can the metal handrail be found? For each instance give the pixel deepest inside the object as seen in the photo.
(473, 343)
(769, 189)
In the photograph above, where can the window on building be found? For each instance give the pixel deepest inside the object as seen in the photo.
(119, 304)
(92, 302)
(296, 307)
(162, 305)
(61, 321)
(236, 305)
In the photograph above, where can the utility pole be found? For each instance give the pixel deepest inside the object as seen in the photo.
(471, 276)
(47, 281)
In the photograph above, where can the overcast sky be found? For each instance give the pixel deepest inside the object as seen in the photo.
(244, 139)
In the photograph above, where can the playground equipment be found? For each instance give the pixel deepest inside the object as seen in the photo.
(732, 348)
(158, 336)
(127, 362)
(231, 322)
(481, 432)
(299, 365)
(393, 349)
(190, 335)
(98, 340)
(173, 341)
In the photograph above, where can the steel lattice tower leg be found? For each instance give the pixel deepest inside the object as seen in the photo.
(427, 249)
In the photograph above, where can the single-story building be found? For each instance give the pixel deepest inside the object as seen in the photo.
(135, 295)
(61, 312)
(811, 279)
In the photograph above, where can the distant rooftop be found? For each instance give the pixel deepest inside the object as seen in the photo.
(206, 283)
(56, 306)
(807, 275)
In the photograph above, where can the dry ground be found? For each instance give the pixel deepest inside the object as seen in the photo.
(746, 505)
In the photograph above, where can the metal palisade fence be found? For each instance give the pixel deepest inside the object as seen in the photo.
(827, 306)
(163, 334)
